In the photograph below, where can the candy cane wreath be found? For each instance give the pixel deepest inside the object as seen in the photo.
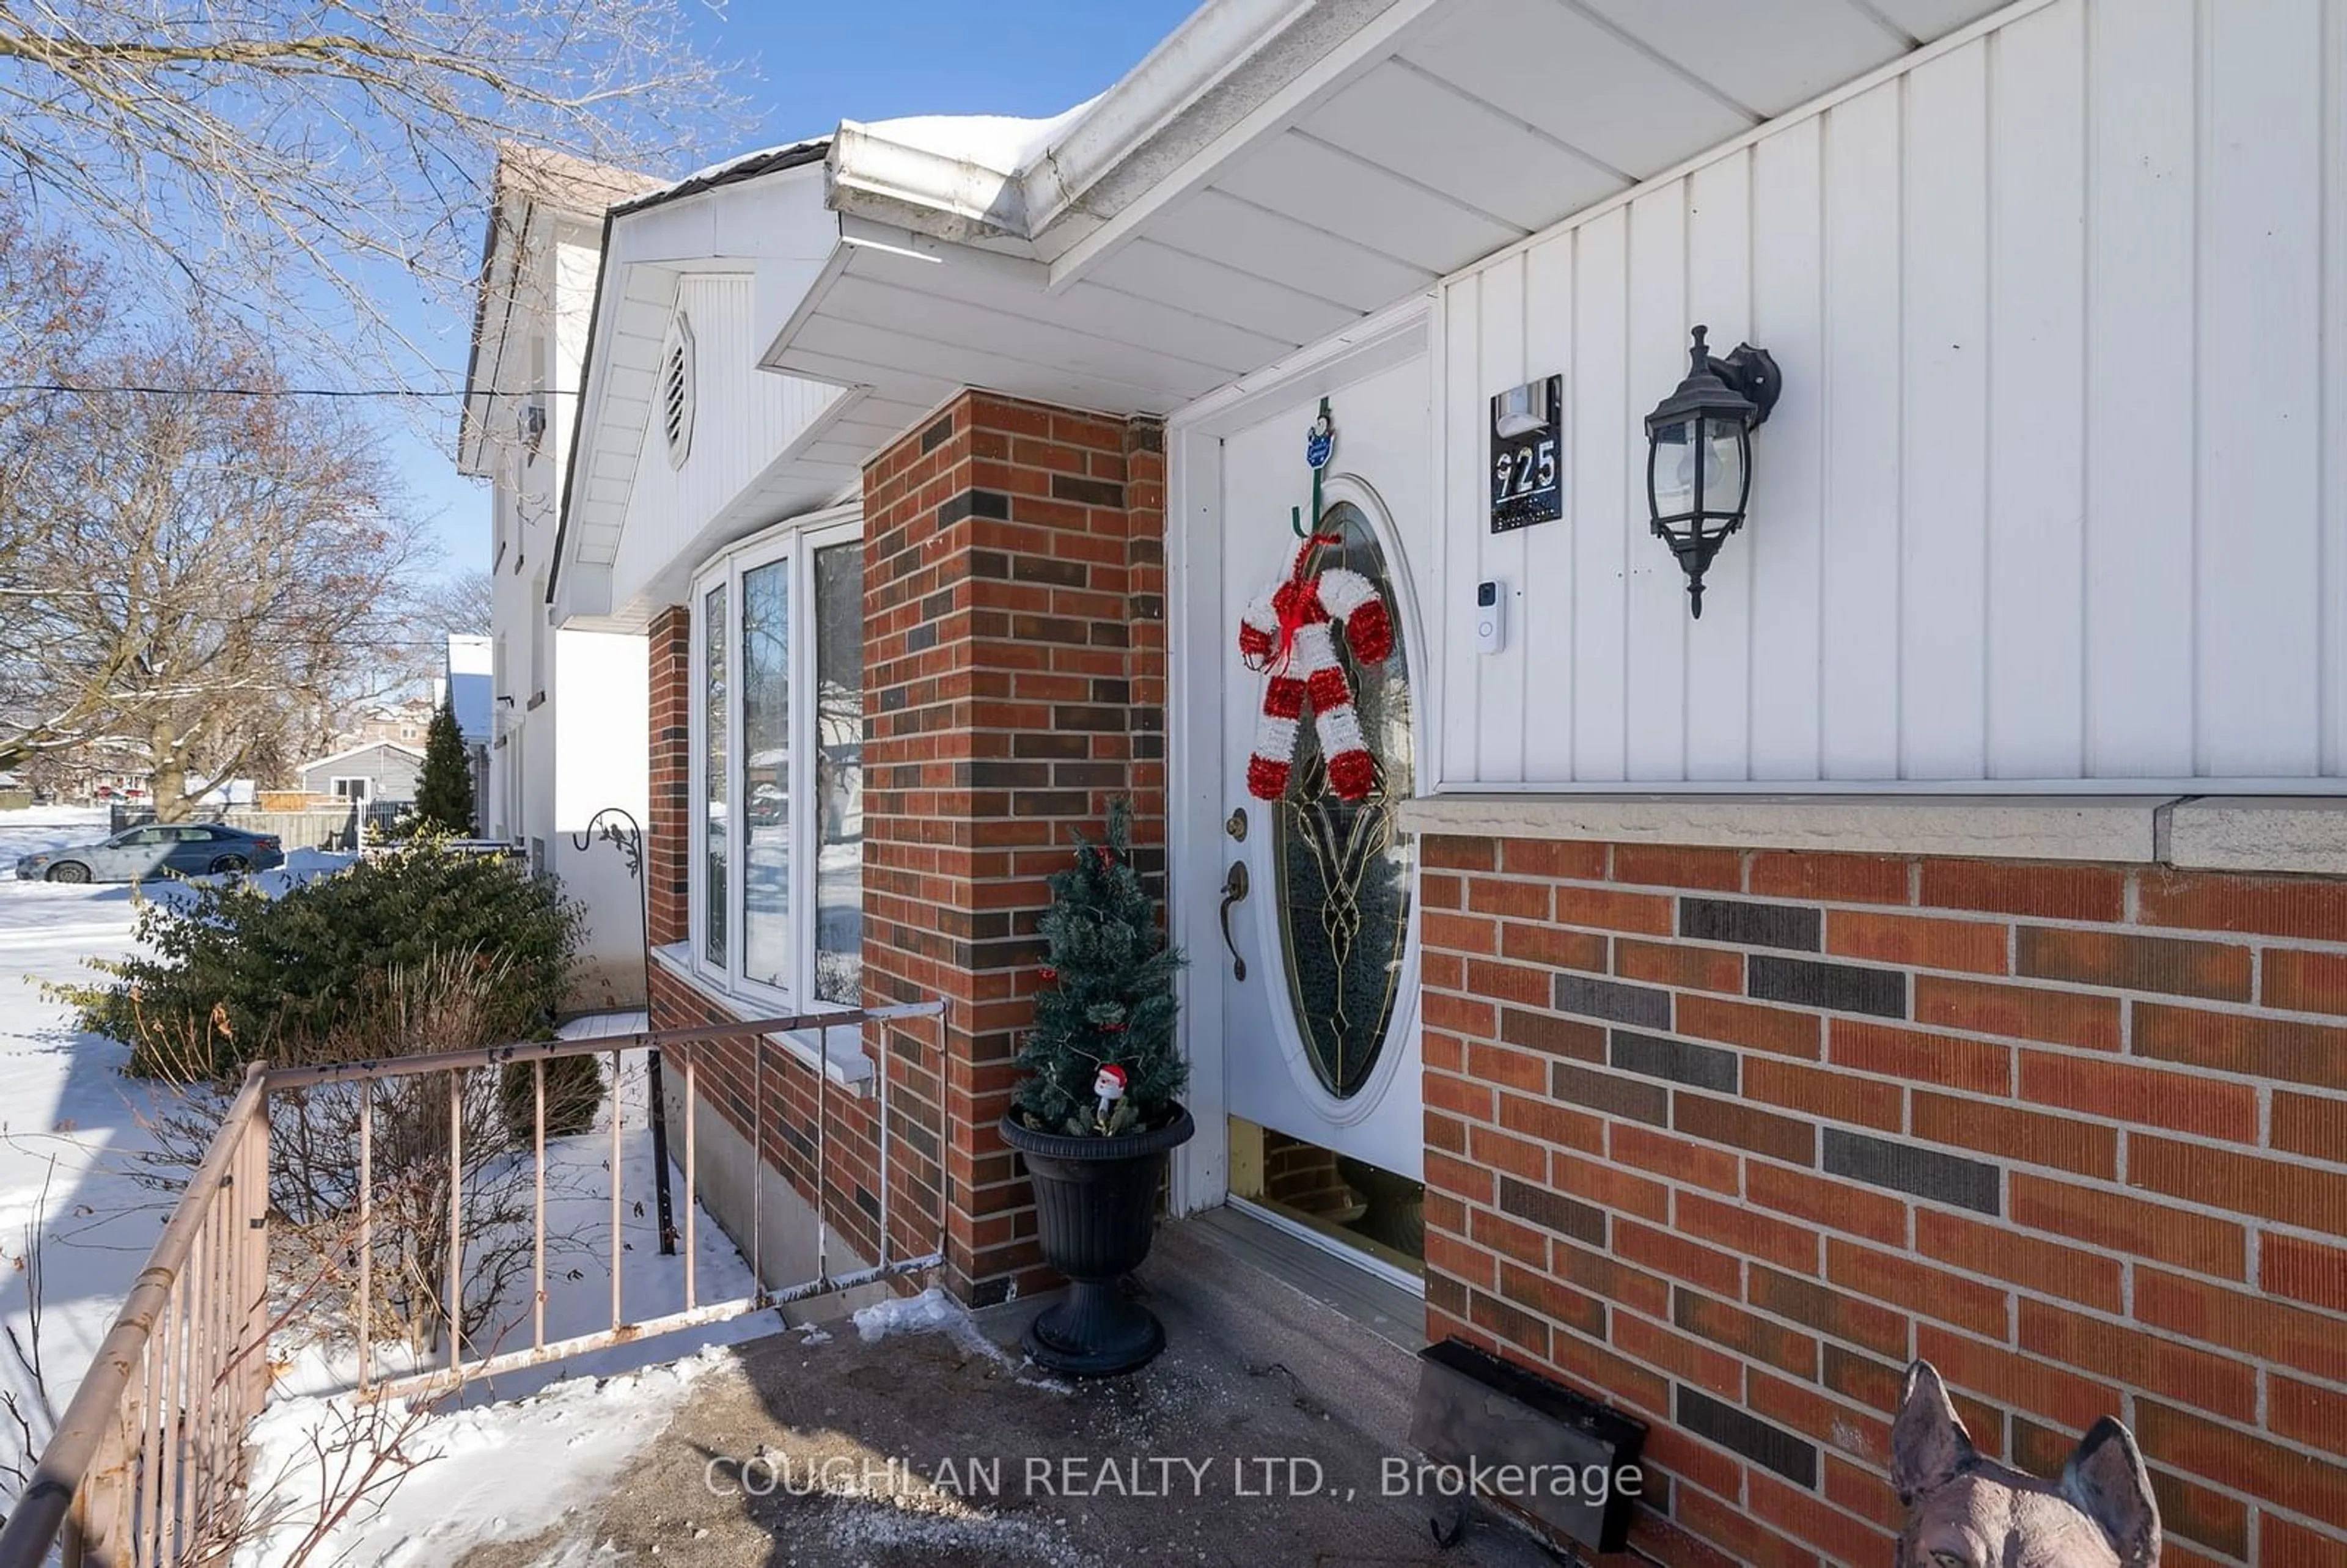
(1287, 629)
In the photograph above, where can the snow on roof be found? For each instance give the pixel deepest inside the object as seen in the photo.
(1003, 143)
(471, 653)
(725, 170)
(360, 752)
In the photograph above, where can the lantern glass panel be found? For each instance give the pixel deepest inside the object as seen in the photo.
(1671, 470)
(1723, 465)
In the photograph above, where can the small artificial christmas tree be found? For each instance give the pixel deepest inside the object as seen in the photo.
(444, 790)
(1100, 1061)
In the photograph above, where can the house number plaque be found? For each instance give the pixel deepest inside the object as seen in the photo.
(1528, 455)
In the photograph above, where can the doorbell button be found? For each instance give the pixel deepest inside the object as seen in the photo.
(1490, 616)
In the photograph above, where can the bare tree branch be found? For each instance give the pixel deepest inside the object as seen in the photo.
(292, 162)
(183, 571)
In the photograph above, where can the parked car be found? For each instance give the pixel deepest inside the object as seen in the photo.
(184, 849)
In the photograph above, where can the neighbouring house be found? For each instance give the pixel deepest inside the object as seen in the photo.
(1938, 948)
(101, 784)
(566, 716)
(404, 722)
(380, 773)
(469, 684)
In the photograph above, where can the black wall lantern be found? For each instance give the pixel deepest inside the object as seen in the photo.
(1700, 454)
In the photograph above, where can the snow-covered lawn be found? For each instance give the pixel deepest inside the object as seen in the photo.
(72, 1128)
(70, 1123)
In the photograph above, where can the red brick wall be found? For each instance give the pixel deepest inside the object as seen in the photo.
(1015, 682)
(1727, 1137)
(667, 842)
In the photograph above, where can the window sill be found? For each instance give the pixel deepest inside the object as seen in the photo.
(844, 1064)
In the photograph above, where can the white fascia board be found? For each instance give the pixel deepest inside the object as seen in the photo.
(485, 367)
(835, 264)
(751, 511)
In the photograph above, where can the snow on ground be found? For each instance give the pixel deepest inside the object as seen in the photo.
(73, 1126)
(70, 1123)
(935, 1312)
(931, 1312)
(490, 1472)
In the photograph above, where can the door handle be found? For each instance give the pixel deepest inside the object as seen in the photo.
(1235, 887)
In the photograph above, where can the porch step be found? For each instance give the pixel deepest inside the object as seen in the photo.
(1378, 1306)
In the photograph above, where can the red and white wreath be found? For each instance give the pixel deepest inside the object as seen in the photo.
(1289, 630)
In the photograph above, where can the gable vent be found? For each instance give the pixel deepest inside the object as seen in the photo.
(675, 391)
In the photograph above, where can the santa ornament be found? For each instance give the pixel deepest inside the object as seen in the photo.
(1108, 1085)
(1289, 631)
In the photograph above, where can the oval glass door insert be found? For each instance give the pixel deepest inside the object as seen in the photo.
(1346, 869)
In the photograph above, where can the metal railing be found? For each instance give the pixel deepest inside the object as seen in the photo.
(148, 1465)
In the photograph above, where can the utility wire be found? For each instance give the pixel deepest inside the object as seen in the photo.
(414, 392)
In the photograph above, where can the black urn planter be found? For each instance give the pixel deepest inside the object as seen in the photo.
(1095, 1206)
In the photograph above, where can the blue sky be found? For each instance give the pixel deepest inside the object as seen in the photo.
(805, 65)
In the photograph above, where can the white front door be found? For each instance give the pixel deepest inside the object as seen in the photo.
(1320, 1036)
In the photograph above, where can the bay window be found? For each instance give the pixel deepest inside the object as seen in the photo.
(778, 767)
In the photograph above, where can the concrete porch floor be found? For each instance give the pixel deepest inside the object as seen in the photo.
(1259, 1439)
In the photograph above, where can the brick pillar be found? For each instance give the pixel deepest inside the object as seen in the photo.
(1015, 682)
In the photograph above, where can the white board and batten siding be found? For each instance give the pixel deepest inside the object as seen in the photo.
(743, 418)
(2057, 488)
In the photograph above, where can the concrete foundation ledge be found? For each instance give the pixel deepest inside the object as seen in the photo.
(2260, 833)
(2123, 828)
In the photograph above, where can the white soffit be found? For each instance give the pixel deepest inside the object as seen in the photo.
(1329, 158)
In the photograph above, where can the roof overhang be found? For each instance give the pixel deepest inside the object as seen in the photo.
(1279, 170)
(761, 219)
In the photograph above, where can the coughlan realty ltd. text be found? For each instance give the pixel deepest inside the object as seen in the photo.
(1156, 1475)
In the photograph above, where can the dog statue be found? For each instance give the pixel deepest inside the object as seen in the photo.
(1967, 1512)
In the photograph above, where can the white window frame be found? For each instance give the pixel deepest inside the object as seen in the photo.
(795, 541)
(365, 791)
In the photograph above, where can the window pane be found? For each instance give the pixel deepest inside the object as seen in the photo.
(713, 773)
(1723, 466)
(766, 774)
(839, 773)
(1671, 470)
